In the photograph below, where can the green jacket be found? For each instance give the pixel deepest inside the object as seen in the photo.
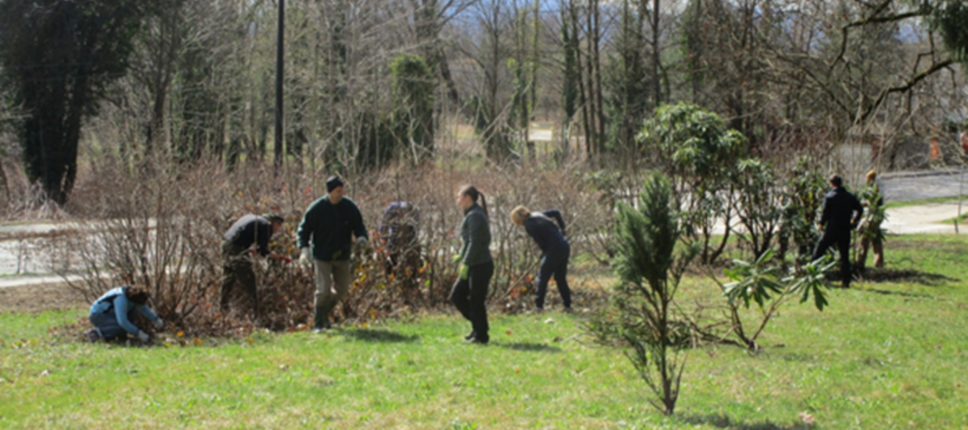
(475, 235)
(329, 228)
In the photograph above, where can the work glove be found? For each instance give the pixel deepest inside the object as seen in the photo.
(304, 258)
(159, 323)
(464, 270)
(455, 259)
(143, 336)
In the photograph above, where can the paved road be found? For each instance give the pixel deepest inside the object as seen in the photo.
(921, 185)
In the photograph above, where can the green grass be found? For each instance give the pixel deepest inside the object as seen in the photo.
(961, 221)
(904, 203)
(884, 355)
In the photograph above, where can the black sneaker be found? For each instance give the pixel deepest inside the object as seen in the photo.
(470, 335)
(93, 336)
(323, 326)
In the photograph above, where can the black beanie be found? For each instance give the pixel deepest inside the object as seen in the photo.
(333, 183)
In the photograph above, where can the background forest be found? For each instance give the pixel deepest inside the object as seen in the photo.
(369, 84)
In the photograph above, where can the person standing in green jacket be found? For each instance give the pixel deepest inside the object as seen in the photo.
(326, 238)
(476, 265)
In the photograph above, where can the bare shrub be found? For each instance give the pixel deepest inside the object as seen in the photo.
(160, 226)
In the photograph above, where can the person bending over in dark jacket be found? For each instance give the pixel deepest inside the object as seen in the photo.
(555, 250)
(112, 312)
(476, 265)
(248, 231)
(329, 225)
(841, 213)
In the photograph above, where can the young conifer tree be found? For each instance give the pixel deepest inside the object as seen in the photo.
(650, 268)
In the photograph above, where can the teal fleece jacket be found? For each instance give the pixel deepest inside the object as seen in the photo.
(116, 301)
(475, 234)
(328, 228)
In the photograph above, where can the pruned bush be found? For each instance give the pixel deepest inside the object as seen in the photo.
(803, 197)
(696, 151)
(161, 227)
(758, 205)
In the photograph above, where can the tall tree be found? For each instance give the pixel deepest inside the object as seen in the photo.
(627, 82)
(570, 74)
(59, 57)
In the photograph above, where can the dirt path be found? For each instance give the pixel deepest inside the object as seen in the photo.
(922, 219)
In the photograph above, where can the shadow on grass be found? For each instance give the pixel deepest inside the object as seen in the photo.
(528, 347)
(877, 275)
(897, 293)
(724, 422)
(377, 335)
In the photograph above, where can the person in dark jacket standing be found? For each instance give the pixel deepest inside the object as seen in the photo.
(841, 213)
(237, 243)
(111, 314)
(326, 238)
(555, 250)
(476, 265)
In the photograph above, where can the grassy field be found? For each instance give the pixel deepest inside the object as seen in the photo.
(905, 203)
(886, 354)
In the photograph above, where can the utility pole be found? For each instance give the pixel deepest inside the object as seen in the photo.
(279, 74)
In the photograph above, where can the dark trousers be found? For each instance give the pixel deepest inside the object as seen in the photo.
(107, 326)
(470, 297)
(237, 271)
(841, 238)
(554, 264)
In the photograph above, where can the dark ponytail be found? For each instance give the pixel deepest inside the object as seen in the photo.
(484, 205)
(476, 195)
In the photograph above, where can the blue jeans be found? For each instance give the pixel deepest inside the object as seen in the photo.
(107, 325)
(554, 264)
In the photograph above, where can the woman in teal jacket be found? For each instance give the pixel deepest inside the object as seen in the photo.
(111, 314)
(476, 265)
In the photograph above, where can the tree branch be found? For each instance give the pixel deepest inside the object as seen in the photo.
(936, 67)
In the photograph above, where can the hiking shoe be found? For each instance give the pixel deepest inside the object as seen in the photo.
(470, 335)
(93, 336)
(476, 341)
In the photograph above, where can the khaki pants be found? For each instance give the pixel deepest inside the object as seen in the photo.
(866, 244)
(330, 274)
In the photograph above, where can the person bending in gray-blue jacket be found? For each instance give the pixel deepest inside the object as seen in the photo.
(555, 249)
(111, 314)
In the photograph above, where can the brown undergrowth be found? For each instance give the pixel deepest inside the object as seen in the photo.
(161, 227)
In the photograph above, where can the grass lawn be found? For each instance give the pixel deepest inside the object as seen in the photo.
(961, 221)
(890, 354)
(904, 203)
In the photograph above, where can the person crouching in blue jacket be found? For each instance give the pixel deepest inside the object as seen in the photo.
(111, 314)
(555, 249)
